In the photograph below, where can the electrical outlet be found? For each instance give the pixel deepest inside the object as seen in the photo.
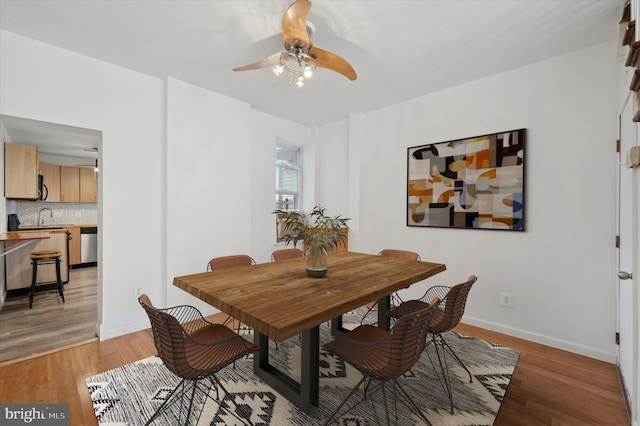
(505, 299)
(138, 291)
(78, 214)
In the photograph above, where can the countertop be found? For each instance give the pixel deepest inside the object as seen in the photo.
(24, 235)
(53, 227)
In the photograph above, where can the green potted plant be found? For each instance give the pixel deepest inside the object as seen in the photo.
(323, 236)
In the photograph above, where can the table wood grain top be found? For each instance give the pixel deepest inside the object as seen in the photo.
(24, 235)
(279, 300)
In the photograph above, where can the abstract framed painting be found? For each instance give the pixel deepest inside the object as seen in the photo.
(472, 183)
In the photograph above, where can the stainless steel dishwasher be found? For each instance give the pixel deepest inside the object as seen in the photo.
(89, 244)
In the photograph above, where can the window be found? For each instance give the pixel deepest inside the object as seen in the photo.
(288, 177)
(288, 173)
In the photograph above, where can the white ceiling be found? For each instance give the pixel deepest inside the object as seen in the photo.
(399, 49)
(51, 138)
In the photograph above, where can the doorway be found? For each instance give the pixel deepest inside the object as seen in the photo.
(627, 251)
(78, 318)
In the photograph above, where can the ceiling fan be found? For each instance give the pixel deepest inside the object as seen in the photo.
(300, 57)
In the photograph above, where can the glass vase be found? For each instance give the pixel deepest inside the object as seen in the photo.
(316, 262)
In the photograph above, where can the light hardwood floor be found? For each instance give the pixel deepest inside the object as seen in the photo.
(554, 387)
(50, 324)
(549, 386)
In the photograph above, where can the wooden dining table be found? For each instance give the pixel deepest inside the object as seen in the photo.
(278, 300)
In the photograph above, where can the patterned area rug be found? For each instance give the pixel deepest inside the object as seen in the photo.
(129, 395)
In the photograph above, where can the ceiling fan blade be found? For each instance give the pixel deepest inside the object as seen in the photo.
(333, 62)
(269, 61)
(294, 25)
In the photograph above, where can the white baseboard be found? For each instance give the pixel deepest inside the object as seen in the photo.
(511, 331)
(544, 340)
(109, 333)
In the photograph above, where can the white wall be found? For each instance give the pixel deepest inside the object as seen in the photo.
(333, 162)
(220, 180)
(45, 83)
(561, 271)
(265, 130)
(186, 174)
(208, 181)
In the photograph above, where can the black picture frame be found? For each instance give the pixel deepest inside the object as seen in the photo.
(470, 183)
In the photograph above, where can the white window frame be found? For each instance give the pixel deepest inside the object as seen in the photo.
(280, 231)
(298, 168)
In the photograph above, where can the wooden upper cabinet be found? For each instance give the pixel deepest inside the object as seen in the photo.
(51, 178)
(69, 184)
(20, 171)
(88, 185)
(78, 185)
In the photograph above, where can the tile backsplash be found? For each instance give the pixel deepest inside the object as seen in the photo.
(63, 213)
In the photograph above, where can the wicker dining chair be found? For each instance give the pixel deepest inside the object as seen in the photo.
(288, 253)
(233, 261)
(395, 297)
(226, 262)
(193, 349)
(383, 356)
(446, 317)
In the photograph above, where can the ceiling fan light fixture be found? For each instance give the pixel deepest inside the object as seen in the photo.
(308, 72)
(300, 55)
(298, 63)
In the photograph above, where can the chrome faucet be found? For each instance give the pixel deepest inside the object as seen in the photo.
(41, 221)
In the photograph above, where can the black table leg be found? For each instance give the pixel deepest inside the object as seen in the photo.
(304, 393)
(34, 274)
(384, 304)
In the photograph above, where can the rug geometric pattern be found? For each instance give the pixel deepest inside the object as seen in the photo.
(130, 394)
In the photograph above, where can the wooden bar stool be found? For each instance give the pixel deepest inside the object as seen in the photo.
(45, 258)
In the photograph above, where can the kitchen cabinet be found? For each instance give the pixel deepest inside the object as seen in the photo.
(77, 185)
(88, 185)
(18, 263)
(51, 178)
(20, 171)
(69, 184)
(74, 245)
